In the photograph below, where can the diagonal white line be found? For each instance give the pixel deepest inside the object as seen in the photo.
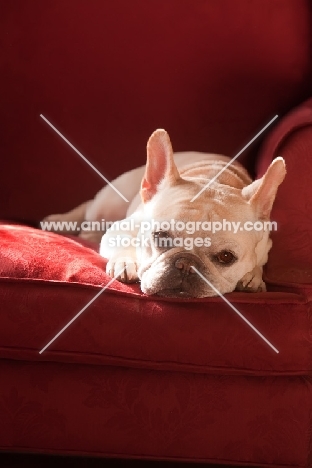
(235, 310)
(84, 158)
(81, 311)
(232, 160)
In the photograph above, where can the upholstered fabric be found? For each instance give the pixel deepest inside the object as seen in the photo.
(291, 258)
(105, 410)
(108, 73)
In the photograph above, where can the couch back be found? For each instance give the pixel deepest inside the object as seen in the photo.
(108, 73)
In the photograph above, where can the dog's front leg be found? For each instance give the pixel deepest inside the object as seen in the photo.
(252, 281)
(119, 246)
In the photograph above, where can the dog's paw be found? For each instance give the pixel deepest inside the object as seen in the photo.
(252, 282)
(124, 269)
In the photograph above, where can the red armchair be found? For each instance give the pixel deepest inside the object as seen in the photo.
(136, 376)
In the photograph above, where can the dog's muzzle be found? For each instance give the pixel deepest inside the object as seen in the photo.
(184, 261)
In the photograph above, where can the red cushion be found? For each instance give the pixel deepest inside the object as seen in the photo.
(46, 279)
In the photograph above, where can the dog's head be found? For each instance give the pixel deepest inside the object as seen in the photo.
(180, 249)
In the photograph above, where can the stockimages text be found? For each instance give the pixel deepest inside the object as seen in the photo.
(160, 230)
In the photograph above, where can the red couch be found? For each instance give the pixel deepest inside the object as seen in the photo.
(136, 376)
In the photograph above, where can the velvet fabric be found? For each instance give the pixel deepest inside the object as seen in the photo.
(108, 73)
(138, 376)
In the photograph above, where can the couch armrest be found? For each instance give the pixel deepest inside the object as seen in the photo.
(291, 256)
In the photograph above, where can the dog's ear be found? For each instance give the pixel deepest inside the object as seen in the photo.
(159, 166)
(262, 192)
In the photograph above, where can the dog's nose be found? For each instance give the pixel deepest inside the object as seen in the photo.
(185, 265)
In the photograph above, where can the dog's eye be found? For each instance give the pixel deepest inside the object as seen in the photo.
(162, 239)
(225, 257)
(160, 234)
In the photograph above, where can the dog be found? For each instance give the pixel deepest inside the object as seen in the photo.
(169, 237)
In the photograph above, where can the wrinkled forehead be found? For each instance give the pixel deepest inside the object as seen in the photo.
(210, 205)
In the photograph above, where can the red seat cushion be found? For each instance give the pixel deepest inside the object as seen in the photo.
(46, 279)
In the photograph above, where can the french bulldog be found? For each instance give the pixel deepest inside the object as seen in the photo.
(196, 226)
